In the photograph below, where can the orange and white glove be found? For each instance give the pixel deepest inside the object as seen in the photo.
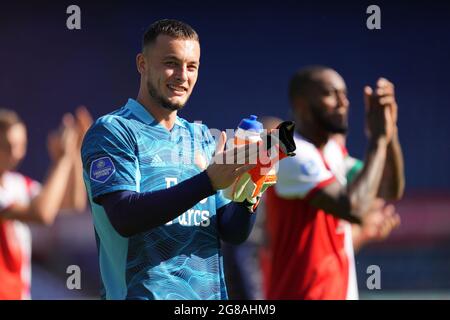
(249, 187)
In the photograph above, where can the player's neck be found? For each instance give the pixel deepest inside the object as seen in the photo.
(163, 116)
(314, 134)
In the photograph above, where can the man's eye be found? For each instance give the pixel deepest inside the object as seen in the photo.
(170, 64)
(192, 68)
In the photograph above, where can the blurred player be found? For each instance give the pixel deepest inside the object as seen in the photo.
(247, 263)
(23, 200)
(158, 215)
(309, 210)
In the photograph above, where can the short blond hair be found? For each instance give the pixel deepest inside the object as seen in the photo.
(8, 118)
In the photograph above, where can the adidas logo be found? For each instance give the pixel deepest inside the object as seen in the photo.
(156, 161)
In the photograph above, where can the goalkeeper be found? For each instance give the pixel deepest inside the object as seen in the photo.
(157, 207)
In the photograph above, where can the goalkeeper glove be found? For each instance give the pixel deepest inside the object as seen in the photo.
(249, 187)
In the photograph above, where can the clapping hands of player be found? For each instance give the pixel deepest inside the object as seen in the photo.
(227, 165)
(381, 110)
(83, 122)
(63, 142)
(66, 140)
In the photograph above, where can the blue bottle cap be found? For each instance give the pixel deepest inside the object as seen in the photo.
(251, 124)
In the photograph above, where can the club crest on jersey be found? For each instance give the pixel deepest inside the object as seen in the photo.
(102, 169)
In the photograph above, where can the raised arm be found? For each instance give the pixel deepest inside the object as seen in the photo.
(353, 201)
(46, 205)
(75, 197)
(393, 180)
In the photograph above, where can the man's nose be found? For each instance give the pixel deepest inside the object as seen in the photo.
(342, 100)
(182, 74)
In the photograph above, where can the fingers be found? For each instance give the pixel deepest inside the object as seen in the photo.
(378, 203)
(391, 216)
(221, 143)
(246, 154)
(389, 210)
(397, 220)
(83, 118)
(383, 82)
(390, 222)
(386, 100)
(384, 92)
(241, 170)
(384, 87)
(68, 124)
(82, 112)
(239, 155)
(53, 144)
(220, 147)
(367, 96)
(68, 120)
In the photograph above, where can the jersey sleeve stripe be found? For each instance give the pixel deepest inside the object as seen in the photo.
(319, 186)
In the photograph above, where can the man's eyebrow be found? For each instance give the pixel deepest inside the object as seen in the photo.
(331, 87)
(171, 57)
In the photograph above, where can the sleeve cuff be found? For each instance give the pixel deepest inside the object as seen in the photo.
(319, 186)
(204, 184)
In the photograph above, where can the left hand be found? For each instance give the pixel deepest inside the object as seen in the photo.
(378, 224)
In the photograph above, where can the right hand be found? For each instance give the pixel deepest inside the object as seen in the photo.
(83, 121)
(380, 118)
(222, 172)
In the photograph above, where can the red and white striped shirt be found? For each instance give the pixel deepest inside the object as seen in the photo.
(15, 238)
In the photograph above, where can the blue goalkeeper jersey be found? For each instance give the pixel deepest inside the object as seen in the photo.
(128, 150)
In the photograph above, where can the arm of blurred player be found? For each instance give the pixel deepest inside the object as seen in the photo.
(351, 203)
(376, 225)
(393, 180)
(46, 205)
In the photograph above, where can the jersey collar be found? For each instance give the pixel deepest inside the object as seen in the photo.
(145, 116)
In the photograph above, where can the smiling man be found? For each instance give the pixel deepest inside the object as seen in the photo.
(158, 213)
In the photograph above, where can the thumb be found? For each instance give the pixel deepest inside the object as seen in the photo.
(243, 169)
(221, 144)
(367, 96)
(218, 156)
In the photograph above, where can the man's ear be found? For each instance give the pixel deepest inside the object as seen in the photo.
(299, 104)
(141, 64)
(300, 108)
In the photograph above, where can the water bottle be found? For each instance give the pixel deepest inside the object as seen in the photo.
(249, 131)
